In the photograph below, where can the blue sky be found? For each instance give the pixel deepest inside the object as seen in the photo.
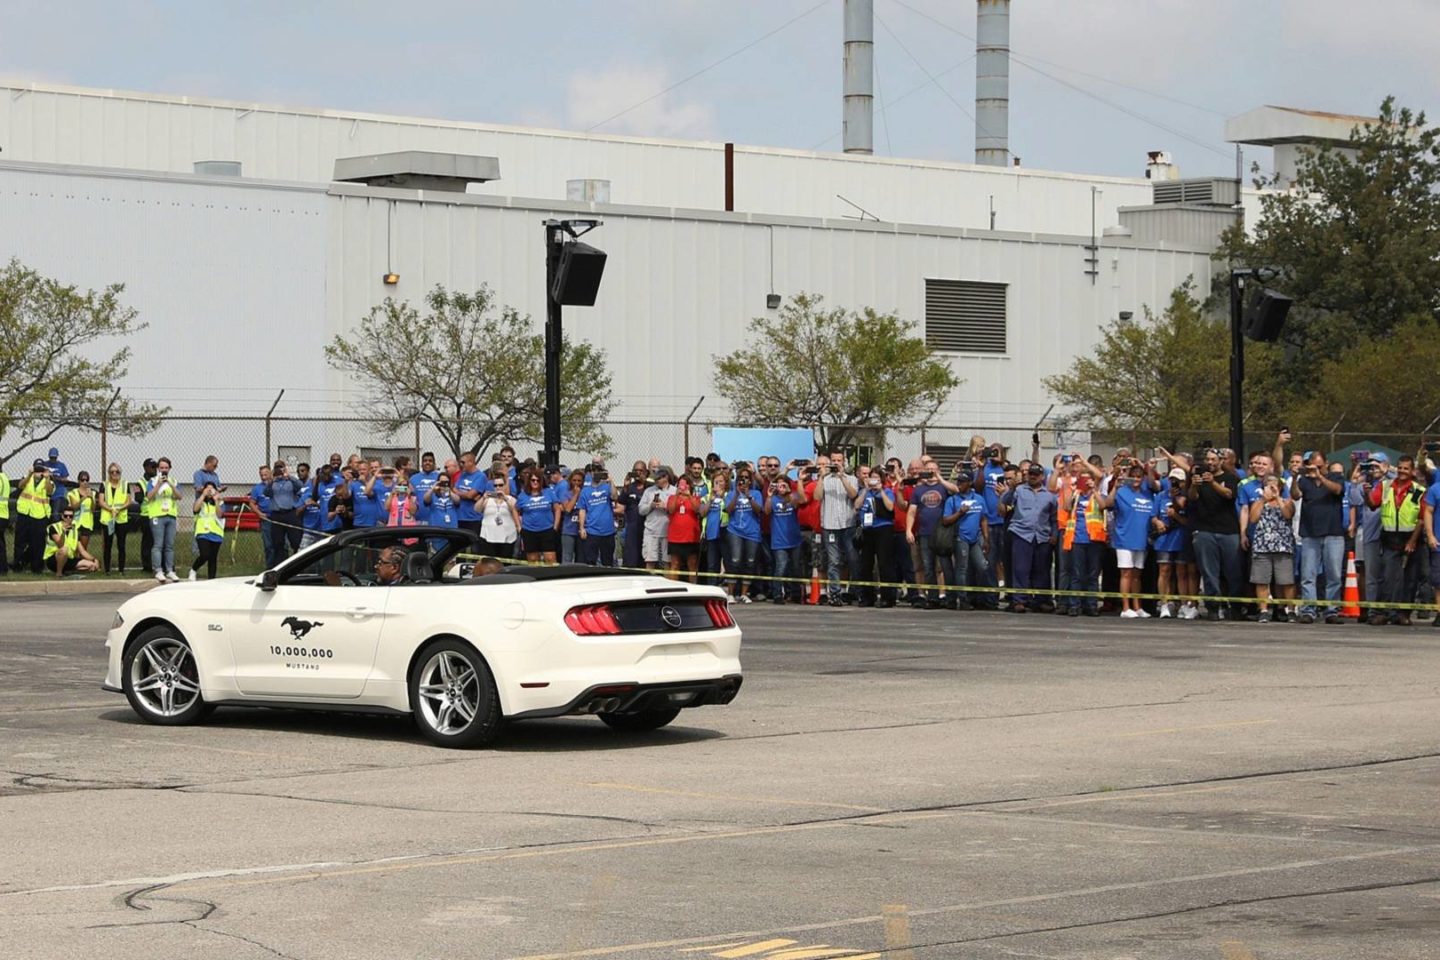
(1095, 83)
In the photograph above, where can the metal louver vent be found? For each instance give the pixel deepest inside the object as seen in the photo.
(1212, 191)
(965, 316)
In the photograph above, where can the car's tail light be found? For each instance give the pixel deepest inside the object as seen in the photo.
(719, 611)
(592, 620)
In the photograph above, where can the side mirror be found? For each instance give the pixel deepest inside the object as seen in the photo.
(269, 580)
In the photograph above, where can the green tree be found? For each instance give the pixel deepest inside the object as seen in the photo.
(835, 370)
(1381, 381)
(1163, 379)
(477, 374)
(1356, 241)
(53, 372)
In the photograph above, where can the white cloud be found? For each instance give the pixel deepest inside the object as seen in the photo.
(593, 96)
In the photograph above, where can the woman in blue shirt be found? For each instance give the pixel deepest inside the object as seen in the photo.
(570, 517)
(744, 505)
(1133, 501)
(716, 518)
(539, 516)
(784, 538)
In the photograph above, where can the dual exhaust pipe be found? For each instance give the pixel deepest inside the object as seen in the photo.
(601, 705)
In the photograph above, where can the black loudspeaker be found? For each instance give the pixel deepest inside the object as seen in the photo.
(577, 277)
(1264, 314)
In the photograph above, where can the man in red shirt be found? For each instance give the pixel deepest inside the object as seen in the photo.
(812, 554)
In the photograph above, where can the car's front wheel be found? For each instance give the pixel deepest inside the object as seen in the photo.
(453, 696)
(642, 721)
(161, 679)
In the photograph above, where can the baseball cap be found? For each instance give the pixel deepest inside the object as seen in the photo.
(1036, 468)
(54, 452)
(149, 462)
(1379, 458)
(964, 478)
(38, 463)
(1177, 474)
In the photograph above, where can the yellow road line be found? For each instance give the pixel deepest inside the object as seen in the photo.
(897, 931)
(749, 950)
(1235, 950)
(638, 788)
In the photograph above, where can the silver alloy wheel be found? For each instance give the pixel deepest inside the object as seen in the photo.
(164, 677)
(449, 692)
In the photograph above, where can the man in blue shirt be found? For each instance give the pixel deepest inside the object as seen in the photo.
(260, 502)
(470, 487)
(785, 539)
(966, 509)
(421, 482)
(875, 503)
(285, 529)
(61, 475)
(926, 506)
(597, 521)
(1430, 519)
(207, 474)
(365, 503)
(1030, 524)
(992, 487)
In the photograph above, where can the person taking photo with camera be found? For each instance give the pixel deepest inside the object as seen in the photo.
(164, 499)
(209, 531)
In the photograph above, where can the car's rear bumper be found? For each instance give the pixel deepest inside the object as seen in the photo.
(636, 697)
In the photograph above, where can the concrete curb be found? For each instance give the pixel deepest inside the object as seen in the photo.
(62, 588)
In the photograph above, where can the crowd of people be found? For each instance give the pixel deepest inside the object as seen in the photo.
(1168, 535)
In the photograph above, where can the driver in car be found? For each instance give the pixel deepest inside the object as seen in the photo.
(390, 567)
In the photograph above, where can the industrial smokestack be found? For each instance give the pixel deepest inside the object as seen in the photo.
(859, 75)
(992, 82)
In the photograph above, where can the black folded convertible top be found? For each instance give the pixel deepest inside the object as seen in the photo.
(564, 571)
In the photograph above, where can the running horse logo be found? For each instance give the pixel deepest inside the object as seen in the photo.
(299, 628)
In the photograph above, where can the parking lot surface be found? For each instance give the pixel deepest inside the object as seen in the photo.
(908, 785)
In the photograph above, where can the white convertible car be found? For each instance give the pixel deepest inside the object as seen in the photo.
(461, 654)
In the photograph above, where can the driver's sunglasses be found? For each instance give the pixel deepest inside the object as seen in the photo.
(67, 516)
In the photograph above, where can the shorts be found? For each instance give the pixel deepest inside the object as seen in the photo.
(1279, 567)
(655, 549)
(541, 541)
(1174, 556)
(1130, 559)
(71, 564)
(684, 551)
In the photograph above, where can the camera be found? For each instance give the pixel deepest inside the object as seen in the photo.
(834, 468)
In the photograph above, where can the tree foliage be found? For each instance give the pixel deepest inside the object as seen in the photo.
(834, 369)
(53, 372)
(1163, 379)
(477, 374)
(1356, 241)
(1383, 381)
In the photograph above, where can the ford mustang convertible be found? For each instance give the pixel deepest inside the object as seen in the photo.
(396, 620)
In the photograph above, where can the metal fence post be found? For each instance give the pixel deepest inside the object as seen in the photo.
(268, 448)
(688, 417)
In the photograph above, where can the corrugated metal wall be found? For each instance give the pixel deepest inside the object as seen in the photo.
(135, 131)
(243, 283)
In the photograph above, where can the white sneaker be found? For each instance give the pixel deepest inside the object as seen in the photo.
(172, 577)
(191, 577)
(1142, 614)
(1189, 612)
(1165, 613)
(160, 575)
(1128, 614)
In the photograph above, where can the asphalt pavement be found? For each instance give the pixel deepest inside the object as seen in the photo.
(890, 783)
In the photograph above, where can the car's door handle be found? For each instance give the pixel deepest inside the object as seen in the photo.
(359, 611)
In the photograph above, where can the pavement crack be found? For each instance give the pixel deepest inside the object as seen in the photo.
(195, 924)
(135, 900)
(1181, 911)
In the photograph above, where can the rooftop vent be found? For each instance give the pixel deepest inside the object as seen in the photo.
(1209, 191)
(418, 170)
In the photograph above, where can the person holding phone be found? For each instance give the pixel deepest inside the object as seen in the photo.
(499, 518)
(164, 498)
(655, 547)
(1210, 496)
(1322, 536)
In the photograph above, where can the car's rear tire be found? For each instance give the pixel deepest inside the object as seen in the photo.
(453, 695)
(642, 721)
(161, 679)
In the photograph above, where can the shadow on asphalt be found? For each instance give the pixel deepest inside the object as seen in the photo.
(523, 736)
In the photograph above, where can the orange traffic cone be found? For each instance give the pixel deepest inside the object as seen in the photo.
(1352, 589)
(814, 598)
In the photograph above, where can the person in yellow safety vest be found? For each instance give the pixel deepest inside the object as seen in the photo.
(209, 531)
(115, 502)
(164, 500)
(32, 511)
(1083, 520)
(146, 511)
(63, 550)
(4, 521)
(1399, 502)
(82, 501)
